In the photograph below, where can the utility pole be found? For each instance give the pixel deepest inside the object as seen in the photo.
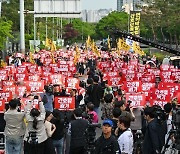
(22, 39)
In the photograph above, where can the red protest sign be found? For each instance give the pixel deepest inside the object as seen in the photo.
(147, 86)
(33, 86)
(138, 99)
(2, 106)
(57, 79)
(72, 83)
(7, 96)
(34, 77)
(21, 69)
(20, 90)
(10, 89)
(114, 81)
(3, 77)
(65, 103)
(133, 86)
(148, 78)
(8, 83)
(25, 101)
(160, 103)
(162, 94)
(20, 77)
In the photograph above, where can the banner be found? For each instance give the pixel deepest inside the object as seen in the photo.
(64, 103)
(134, 22)
(137, 99)
(160, 103)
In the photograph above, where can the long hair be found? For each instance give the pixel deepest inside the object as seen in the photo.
(56, 114)
(35, 113)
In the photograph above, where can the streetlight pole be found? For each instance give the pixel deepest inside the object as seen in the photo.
(22, 38)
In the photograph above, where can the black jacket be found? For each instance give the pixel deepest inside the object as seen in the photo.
(77, 132)
(95, 94)
(152, 140)
(107, 146)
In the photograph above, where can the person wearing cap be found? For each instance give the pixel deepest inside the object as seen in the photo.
(107, 143)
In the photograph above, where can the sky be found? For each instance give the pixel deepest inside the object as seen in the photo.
(98, 4)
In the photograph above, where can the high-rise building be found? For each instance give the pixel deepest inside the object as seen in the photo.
(119, 5)
(129, 5)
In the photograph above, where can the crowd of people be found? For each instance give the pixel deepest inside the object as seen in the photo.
(47, 129)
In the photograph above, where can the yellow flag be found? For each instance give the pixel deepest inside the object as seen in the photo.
(77, 54)
(53, 47)
(47, 43)
(88, 42)
(121, 45)
(31, 60)
(95, 49)
(137, 49)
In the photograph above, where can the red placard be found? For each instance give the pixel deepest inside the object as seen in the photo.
(3, 77)
(133, 86)
(147, 86)
(34, 86)
(138, 99)
(20, 90)
(20, 77)
(72, 83)
(148, 78)
(161, 94)
(8, 83)
(7, 96)
(10, 89)
(2, 106)
(65, 103)
(21, 69)
(34, 77)
(114, 81)
(57, 79)
(160, 103)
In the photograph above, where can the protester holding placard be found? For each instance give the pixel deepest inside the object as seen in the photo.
(15, 128)
(35, 136)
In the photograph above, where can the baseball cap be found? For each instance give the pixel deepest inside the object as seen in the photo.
(108, 121)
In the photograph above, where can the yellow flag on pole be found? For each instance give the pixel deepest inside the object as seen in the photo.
(137, 49)
(121, 45)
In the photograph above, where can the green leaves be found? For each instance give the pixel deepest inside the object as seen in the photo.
(5, 31)
(116, 20)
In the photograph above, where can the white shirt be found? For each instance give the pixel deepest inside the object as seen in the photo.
(125, 142)
(169, 127)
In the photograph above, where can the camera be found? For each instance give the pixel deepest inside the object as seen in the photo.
(49, 89)
(36, 97)
(32, 138)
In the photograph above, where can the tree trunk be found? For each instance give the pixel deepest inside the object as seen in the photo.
(170, 35)
(163, 36)
(154, 34)
(176, 41)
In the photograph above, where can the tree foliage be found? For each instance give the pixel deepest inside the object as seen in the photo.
(115, 20)
(162, 18)
(5, 31)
